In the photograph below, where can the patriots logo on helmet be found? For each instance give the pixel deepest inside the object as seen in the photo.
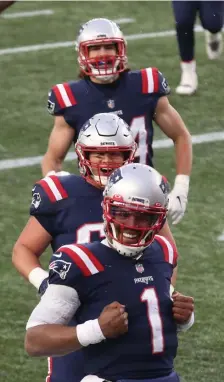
(164, 185)
(61, 267)
(85, 126)
(114, 178)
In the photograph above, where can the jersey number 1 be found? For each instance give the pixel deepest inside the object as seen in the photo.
(153, 313)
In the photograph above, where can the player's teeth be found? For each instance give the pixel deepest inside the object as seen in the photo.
(129, 235)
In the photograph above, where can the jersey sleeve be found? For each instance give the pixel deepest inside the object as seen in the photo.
(154, 82)
(169, 250)
(153, 86)
(71, 264)
(60, 98)
(45, 195)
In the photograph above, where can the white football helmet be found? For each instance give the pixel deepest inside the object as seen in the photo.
(104, 132)
(99, 32)
(134, 207)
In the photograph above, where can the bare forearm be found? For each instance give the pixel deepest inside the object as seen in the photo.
(183, 151)
(50, 164)
(166, 232)
(51, 340)
(24, 260)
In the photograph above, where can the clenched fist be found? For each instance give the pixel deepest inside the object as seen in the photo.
(113, 320)
(183, 306)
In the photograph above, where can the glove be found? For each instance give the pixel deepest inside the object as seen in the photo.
(59, 173)
(178, 198)
(43, 287)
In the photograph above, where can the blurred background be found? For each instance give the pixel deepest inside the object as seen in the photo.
(36, 52)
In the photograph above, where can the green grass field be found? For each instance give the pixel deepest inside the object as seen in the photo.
(25, 126)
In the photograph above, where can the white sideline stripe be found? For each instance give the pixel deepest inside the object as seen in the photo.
(157, 144)
(66, 44)
(17, 15)
(124, 20)
(221, 237)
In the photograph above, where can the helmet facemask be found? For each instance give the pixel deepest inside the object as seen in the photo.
(99, 172)
(106, 67)
(129, 239)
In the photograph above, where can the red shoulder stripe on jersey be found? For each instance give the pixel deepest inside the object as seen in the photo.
(169, 249)
(59, 96)
(95, 261)
(69, 93)
(83, 258)
(144, 81)
(53, 188)
(155, 75)
(47, 189)
(77, 260)
(59, 186)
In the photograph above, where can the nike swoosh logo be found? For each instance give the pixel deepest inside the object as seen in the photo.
(179, 200)
(57, 255)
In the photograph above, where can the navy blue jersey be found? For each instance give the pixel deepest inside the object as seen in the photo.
(133, 97)
(100, 275)
(69, 209)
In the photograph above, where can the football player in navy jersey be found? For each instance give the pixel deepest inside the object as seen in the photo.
(118, 290)
(107, 85)
(67, 209)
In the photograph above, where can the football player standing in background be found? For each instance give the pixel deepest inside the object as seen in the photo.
(108, 85)
(211, 14)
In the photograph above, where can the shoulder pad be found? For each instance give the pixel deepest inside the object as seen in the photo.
(153, 81)
(59, 98)
(84, 259)
(169, 250)
(70, 262)
(45, 193)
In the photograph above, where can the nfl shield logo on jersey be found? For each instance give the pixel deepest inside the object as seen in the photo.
(111, 103)
(139, 268)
